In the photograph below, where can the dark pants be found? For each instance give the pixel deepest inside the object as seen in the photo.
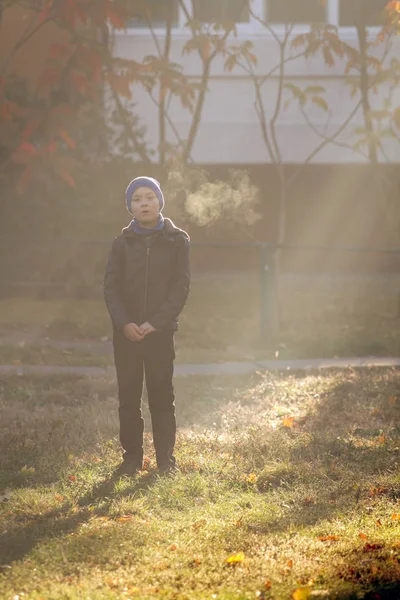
(153, 357)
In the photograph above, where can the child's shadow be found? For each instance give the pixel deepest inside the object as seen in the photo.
(20, 541)
(106, 488)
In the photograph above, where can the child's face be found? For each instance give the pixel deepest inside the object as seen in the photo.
(145, 207)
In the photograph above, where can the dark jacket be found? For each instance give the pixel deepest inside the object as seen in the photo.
(148, 279)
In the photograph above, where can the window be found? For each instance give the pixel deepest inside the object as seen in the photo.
(295, 11)
(157, 12)
(366, 12)
(219, 11)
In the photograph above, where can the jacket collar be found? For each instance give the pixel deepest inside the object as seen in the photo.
(169, 231)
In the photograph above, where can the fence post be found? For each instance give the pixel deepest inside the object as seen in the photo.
(266, 291)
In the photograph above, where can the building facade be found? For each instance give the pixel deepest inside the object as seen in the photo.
(230, 132)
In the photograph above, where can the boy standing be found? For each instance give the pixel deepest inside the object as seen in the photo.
(146, 286)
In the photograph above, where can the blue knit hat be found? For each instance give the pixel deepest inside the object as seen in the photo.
(149, 182)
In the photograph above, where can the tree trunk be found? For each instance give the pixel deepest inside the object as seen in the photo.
(162, 101)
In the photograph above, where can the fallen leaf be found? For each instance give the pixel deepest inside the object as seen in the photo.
(199, 524)
(288, 422)
(59, 498)
(235, 558)
(290, 563)
(268, 584)
(395, 516)
(363, 536)
(301, 594)
(369, 547)
(310, 500)
(173, 547)
(329, 538)
(379, 522)
(376, 491)
(72, 477)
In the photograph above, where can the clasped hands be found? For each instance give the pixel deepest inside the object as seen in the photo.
(137, 333)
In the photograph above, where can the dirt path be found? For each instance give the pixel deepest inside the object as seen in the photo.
(228, 368)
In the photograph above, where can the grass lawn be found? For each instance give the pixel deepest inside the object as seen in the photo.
(289, 487)
(322, 318)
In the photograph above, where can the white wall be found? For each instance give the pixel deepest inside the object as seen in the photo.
(230, 131)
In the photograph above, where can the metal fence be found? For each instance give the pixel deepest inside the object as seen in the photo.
(256, 257)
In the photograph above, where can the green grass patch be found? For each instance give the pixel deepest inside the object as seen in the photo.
(288, 484)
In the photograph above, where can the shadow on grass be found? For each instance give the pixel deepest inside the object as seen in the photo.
(19, 542)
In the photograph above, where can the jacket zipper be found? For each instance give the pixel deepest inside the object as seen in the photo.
(145, 282)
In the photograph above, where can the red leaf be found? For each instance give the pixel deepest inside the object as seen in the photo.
(369, 547)
(31, 128)
(72, 477)
(46, 9)
(28, 148)
(71, 181)
(117, 21)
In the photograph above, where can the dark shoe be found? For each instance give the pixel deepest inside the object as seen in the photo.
(128, 467)
(167, 469)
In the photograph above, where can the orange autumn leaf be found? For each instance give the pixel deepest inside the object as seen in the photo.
(290, 563)
(363, 536)
(67, 139)
(377, 491)
(173, 547)
(288, 422)
(301, 594)
(72, 477)
(395, 516)
(68, 178)
(329, 538)
(379, 522)
(268, 584)
(59, 498)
